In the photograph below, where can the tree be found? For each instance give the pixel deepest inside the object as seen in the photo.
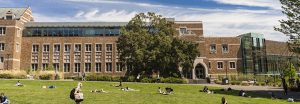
(149, 43)
(291, 26)
(290, 71)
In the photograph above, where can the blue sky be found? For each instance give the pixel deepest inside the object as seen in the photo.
(220, 17)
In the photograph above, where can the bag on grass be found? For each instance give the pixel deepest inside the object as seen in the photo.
(72, 95)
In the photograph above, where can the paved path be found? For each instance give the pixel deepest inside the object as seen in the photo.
(260, 90)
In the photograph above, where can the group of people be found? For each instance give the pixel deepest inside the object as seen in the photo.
(168, 91)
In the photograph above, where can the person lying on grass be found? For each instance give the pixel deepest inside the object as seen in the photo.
(169, 91)
(128, 89)
(19, 84)
(99, 91)
(51, 86)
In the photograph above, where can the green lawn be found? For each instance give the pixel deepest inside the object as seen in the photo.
(32, 93)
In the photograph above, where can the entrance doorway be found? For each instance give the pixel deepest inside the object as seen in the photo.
(200, 71)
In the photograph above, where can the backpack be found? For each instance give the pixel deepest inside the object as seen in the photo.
(72, 96)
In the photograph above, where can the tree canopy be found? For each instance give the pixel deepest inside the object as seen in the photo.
(291, 25)
(149, 43)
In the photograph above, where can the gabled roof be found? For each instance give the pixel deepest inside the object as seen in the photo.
(18, 12)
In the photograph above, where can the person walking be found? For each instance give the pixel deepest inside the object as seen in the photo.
(284, 84)
(83, 76)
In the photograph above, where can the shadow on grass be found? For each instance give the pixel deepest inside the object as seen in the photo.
(260, 94)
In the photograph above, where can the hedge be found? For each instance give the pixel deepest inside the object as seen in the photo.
(95, 77)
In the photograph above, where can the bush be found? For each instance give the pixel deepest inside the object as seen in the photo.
(46, 76)
(148, 80)
(130, 79)
(172, 80)
(6, 76)
(263, 84)
(12, 74)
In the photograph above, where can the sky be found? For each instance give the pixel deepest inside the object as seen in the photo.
(221, 18)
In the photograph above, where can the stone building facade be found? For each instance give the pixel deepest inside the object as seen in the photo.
(90, 47)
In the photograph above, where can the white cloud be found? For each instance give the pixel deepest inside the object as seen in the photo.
(273, 4)
(217, 22)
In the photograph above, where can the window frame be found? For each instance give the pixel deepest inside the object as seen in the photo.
(218, 64)
(233, 64)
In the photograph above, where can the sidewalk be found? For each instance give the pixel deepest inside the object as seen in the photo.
(263, 90)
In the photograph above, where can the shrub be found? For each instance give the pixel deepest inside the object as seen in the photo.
(263, 84)
(172, 80)
(13, 74)
(147, 80)
(256, 84)
(130, 79)
(46, 76)
(6, 76)
(238, 83)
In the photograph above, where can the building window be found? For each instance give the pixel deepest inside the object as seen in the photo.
(45, 48)
(98, 47)
(225, 48)
(56, 66)
(183, 31)
(45, 66)
(34, 67)
(88, 67)
(2, 31)
(108, 67)
(67, 47)
(66, 67)
(232, 65)
(1, 59)
(17, 47)
(9, 17)
(2, 46)
(220, 65)
(209, 65)
(98, 56)
(109, 47)
(119, 67)
(77, 47)
(213, 48)
(77, 67)
(98, 67)
(77, 57)
(18, 32)
(88, 47)
(35, 48)
(56, 48)
(88, 57)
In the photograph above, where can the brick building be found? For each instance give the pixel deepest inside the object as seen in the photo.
(75, 47)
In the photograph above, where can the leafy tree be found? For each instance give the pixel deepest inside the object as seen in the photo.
(291, 26)
(290, 71)
(149, 43)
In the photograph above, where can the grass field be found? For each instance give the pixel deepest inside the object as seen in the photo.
(32, 93)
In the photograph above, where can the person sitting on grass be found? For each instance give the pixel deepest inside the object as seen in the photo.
(3, 99)
(223, 100)
(19, 84)
(242, 93)
(205, 89)
(99, 91)
(159, 91)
